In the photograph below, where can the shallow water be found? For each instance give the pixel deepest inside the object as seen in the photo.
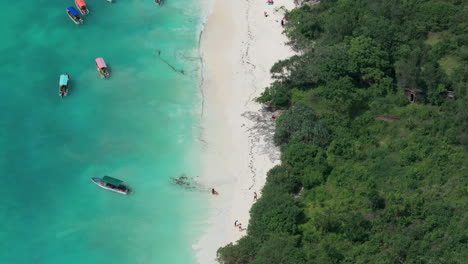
(138, 126)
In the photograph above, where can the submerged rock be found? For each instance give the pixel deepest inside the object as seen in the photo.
(188, 183)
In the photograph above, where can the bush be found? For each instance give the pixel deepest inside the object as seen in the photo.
(277, 96)
(242, 253)
(312, 176)
(300, 122)
(280, 249)
(273, 213)
(283, 179)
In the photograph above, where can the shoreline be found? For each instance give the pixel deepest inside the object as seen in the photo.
(236, 133)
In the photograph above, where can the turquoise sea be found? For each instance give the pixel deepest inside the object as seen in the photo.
(139, 126)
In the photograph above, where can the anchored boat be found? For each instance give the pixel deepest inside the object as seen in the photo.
(74, 15)
(111, 184)
(102, 68)
(81, 5)
(63, 85)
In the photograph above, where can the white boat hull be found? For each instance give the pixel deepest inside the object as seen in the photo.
(74, 21)
(81, 11)
(99, 183)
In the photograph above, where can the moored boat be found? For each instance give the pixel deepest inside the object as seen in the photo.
(63, 84)
(111, 184)
(102, 68)
(74, 15)
(82, 7)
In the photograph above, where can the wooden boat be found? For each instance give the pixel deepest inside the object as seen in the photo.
(102, 68)
(74, 15)
(81, 5)
(111, 184)
(63, 84)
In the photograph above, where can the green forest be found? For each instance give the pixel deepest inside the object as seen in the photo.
(373, 139)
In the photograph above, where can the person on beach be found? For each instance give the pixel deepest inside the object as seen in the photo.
(240, 227)
(255, 196)
(265, 14)
(214, 192)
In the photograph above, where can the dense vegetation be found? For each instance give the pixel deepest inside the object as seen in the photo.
(366, 175)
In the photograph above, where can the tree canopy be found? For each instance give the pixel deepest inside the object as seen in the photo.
(374, 138)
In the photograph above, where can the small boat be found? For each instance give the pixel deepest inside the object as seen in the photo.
(63, 85)
(110, 1)
(111, 184)
(81, 5)
(159, 2)
(102, 68)
(74, 15)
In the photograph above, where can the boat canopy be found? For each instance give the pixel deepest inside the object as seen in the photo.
(100, 63)
(81, 3)
(63, 79)
(112, 181)
(73, 11)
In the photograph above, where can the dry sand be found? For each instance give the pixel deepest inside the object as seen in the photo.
(239, 45)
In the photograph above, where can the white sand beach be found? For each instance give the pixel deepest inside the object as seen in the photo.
(239, 45)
